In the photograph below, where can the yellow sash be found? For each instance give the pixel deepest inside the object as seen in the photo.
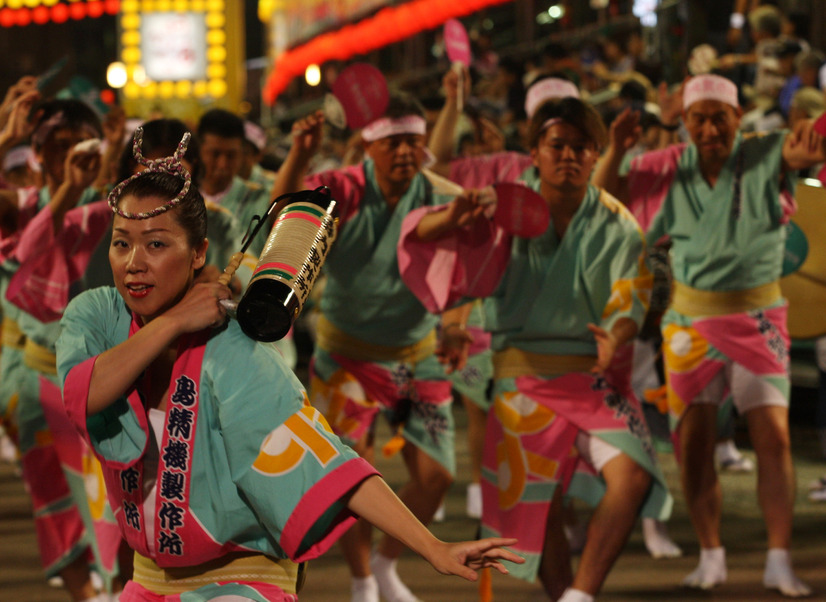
(286, 574)
(513, 363)
(13, 337)
(39, 358)
(334, 340)
(695, 302)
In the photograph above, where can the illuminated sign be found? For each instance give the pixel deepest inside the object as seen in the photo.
(174, 48)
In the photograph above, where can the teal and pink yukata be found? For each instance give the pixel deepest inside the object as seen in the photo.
(542, 293)
(241, 468)
(50, 268)
(726, 253)
(376, 341)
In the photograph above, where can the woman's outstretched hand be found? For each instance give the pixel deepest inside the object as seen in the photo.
(466, 557)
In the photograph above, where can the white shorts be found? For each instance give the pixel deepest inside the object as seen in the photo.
(748, 390)
(595, 451)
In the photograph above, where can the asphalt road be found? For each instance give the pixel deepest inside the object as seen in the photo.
(636, 576)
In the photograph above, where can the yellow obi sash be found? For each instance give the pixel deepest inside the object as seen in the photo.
(334, 340)
(513, 363)
(39, 358)
(694, 302)
(13, 337)
(249, 567)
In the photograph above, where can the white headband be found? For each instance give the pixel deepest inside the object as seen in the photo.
(710, 87)
(255, 134)
(18, 157)
(550, 122)
(387, 126)
(548, 89)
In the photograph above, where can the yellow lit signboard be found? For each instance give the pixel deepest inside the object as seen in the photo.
(186, 53)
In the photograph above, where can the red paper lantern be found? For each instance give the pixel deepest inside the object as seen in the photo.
(77, 10)
(6, 17)
(40, 15)
(112, 7)
(387, 26)
(107, 96)
(95, 9)
(22, 17)
(60, 12)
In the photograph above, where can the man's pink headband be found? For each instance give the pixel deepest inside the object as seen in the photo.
(548, 89)
(387, 126)
(709, 87)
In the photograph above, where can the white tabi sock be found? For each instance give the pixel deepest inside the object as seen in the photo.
(657, 541)
(474, 501)
(390, 585)
(779, 575)
(711, 571)
(575, 595)
(364, 589)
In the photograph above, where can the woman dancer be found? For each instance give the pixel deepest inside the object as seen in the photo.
(218, 465)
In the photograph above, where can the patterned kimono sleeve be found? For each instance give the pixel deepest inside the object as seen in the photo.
(346, 186)
(767, 152)
(293, 471)
(93, 322)
(631, 280)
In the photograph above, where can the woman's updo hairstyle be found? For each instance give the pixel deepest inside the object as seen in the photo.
(190, 212)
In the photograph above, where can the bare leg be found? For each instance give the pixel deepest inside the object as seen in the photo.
(769, 432)
(76, 579)
(701, 487)
(626, 486)
(555, 566)
(477, 420)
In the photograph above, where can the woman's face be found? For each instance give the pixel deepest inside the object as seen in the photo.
(152, 261)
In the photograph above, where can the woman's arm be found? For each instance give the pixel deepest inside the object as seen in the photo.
(117, 369)
(374, 501)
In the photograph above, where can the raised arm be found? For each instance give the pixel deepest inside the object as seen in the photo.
(80, 171)
(622, 135)
(306, 135)
(25, 85)
(114, 129)
(374, 501)
(442, 136)
(805, 146)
